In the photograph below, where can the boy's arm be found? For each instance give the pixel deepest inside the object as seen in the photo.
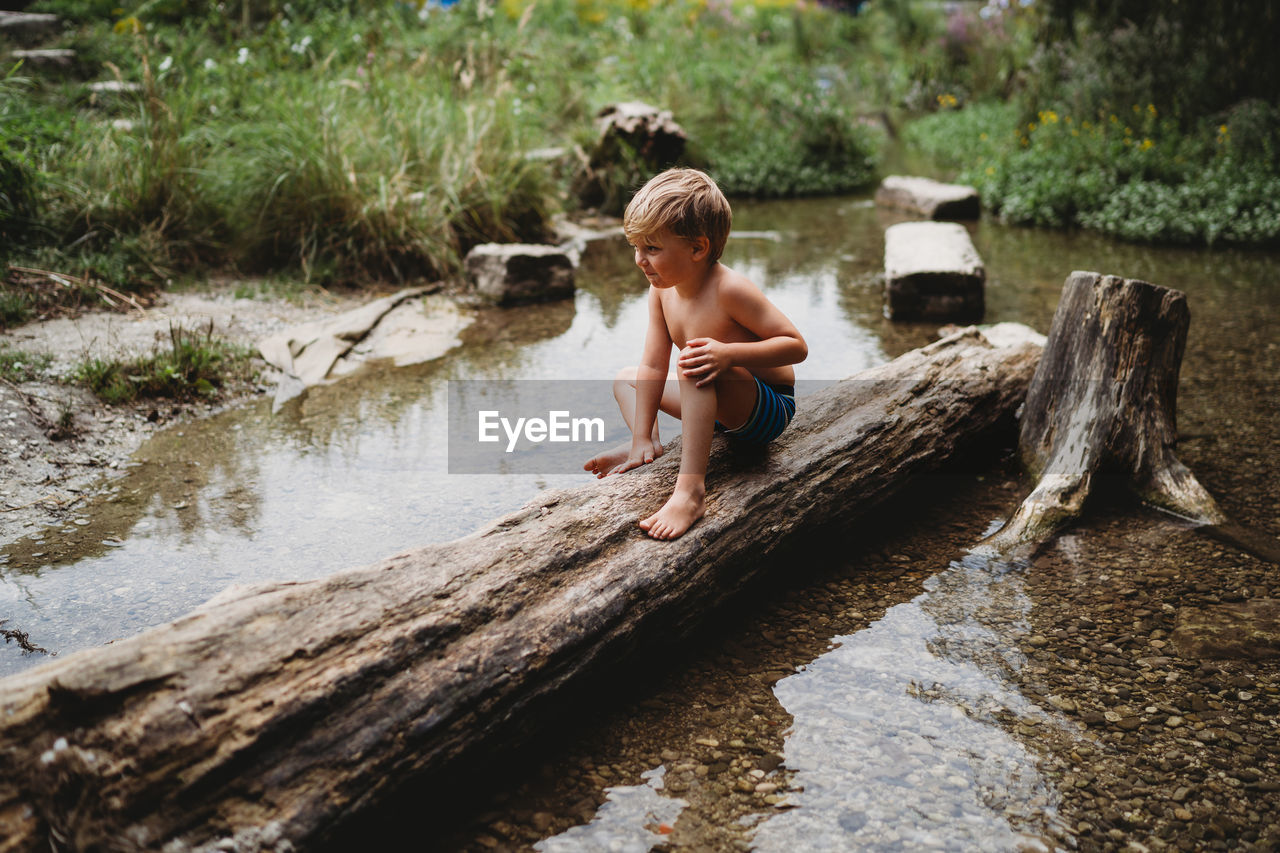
(780, 342)
(651, 376)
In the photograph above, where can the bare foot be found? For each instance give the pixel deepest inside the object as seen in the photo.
(677, 515)
(604, 464)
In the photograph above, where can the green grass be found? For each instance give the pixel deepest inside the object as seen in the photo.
(341, 142)
(195, 365)
(1130, 173)
(18, 366)
(16, 308)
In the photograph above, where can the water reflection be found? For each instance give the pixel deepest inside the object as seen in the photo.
(354, 471)
(901, 737)
(633, 819)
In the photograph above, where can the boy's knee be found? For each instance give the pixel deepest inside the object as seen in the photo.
(627, 374)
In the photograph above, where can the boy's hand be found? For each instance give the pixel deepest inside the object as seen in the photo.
(703, 359)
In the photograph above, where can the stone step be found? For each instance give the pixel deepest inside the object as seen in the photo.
(508, 273)
(932, 272)
(44, 60)
(114, 87)
(929, 198)
(27, 27)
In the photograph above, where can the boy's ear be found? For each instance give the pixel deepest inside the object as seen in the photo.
(701, 247)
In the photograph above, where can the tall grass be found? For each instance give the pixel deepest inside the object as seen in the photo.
(356, 140)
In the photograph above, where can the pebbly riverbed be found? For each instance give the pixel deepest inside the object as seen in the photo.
(884, 690)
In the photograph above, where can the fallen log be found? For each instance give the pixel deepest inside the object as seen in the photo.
(274, 713)
(1104, 402)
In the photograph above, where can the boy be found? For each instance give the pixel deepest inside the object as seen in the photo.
(736, 349)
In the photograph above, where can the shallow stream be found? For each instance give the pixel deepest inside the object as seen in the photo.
(890, 693)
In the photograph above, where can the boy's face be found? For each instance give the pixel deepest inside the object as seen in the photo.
(667, 260)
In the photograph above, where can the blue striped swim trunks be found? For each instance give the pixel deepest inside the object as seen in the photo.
(774, 408)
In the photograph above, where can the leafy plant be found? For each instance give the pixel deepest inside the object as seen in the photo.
(1133, 174)
(196, 364)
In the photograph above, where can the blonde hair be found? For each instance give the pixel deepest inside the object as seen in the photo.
(685, 201)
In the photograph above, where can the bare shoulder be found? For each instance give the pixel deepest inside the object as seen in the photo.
(735, 288)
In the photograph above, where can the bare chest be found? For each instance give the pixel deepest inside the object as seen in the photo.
(701, 317)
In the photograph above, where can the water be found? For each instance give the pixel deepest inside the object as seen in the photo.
(898, 720)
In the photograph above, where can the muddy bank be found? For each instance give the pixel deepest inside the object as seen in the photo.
(57, 441)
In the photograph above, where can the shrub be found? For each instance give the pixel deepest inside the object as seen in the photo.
(1139, 177)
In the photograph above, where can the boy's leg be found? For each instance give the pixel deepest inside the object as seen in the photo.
(728, 400)
(624, 391)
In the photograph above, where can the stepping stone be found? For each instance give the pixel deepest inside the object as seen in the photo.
(27, 27)
(929, 197)
(60, 59)
(114, 87)
(932, 272)
(507, 273)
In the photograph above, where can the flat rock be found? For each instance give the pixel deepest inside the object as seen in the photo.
(509, 273)
(932, 272)
(929, 198)
(114, 87)
(1249, 630)
(45, 59)
(407, 327)
(27, 26)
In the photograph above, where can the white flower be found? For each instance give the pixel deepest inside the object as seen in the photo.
(242, 56)
(166, 63)
(301, 46)
(209, 65)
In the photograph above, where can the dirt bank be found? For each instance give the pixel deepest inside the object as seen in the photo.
(59, 444)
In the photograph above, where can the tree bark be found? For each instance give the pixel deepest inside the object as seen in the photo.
(273, 713)
(1104, 401)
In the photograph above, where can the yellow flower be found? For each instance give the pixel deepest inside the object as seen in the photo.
(1222, 130)
(983, 137)
(1151, 108)
(130, 26)
(991, 170)
(1147, 145)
